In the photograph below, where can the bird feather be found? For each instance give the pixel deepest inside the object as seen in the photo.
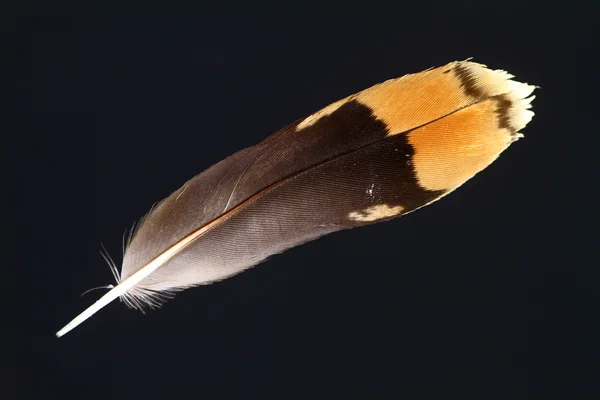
(369, 157)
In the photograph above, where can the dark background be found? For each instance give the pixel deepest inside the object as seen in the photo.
(491, 293)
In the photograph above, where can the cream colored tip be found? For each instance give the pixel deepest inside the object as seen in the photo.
(497, 82)
(520, 114)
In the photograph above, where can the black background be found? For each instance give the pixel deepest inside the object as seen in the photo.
(489, 293)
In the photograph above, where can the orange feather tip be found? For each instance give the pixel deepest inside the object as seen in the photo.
(458, 118)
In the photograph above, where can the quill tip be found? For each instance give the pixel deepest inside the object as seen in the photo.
(115, 292)
(62, 332)
(94, 308)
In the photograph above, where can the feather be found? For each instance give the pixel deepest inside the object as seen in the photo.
(369, 157)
